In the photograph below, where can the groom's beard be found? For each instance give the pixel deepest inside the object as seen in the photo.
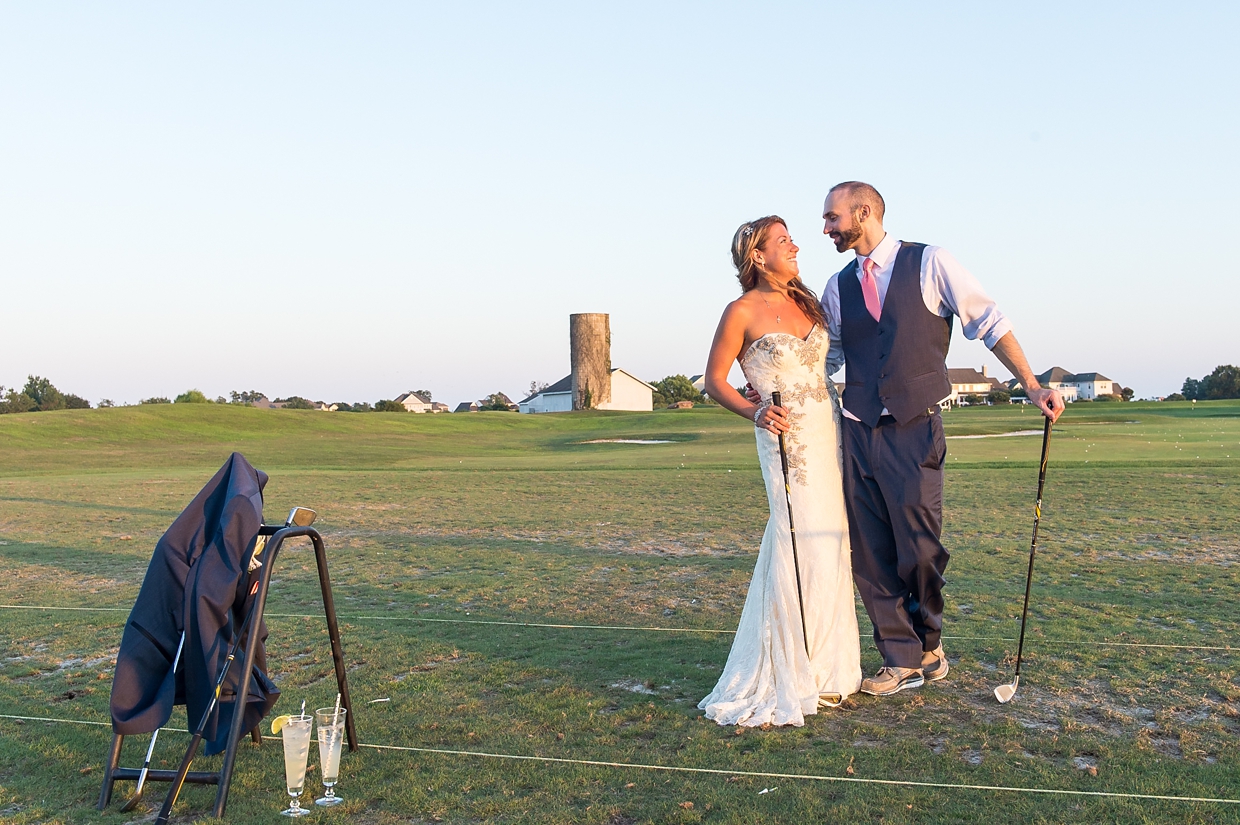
(847, 238)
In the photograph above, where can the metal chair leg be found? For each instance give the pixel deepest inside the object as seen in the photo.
(109, 779)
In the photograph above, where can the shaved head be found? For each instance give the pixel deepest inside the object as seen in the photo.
(860, 194)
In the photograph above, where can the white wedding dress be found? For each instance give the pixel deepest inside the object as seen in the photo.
(768, 677)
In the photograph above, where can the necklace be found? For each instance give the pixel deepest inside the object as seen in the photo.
(778, 320)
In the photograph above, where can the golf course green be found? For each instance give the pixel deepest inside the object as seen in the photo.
(513, 585)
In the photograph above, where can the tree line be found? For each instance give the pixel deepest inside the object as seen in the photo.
(1224, 382)
(39, 395)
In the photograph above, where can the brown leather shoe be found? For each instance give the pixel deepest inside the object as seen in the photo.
(934, 664)
(891, 680)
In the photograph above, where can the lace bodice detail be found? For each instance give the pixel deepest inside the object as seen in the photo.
(796, 369)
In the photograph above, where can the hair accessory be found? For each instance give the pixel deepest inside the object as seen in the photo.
(747, 231)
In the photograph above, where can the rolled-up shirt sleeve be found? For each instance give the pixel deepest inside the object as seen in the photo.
(956, 291)
(831, 307)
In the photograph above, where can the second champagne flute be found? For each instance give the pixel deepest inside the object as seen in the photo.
(331, 737)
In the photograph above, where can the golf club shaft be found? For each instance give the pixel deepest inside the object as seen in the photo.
(1033, 546)
(183, 771)
(150, 751)
(792, 528)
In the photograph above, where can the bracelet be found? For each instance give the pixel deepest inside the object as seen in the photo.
(758, 414)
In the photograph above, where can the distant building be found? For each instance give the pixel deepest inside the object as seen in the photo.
(412, 402)
(968, 381)
(1093, 384)
(628, 392)
(324, 406)
(1085, 386)
(476, 406)
(439, 406)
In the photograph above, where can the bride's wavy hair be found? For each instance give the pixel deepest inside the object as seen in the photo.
(752, 235)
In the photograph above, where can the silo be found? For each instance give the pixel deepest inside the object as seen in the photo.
(589, 336)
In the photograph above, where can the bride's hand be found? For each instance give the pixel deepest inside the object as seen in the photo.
(752, 394)
(772, 418)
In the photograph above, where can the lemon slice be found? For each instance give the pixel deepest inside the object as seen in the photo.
(278, 723)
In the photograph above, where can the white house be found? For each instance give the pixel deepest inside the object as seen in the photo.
(968, 381)
(1094, 384)
(412, 402)
(1083, 385)
(628, 392)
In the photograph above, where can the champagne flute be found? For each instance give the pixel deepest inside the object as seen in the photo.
(296, 733)
(331, 737)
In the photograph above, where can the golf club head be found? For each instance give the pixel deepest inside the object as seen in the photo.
(300, 517)
(1004, 693)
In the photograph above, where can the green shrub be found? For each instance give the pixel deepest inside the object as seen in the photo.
(675, 388)
(192, 397)
(15, 401)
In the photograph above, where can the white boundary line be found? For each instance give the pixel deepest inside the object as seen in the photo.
(1226, 648)
(772, 775)
(908, 783)
(72, 721)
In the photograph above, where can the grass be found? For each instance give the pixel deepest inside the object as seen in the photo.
(499, 517)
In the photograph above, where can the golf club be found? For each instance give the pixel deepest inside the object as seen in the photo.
(1004, 693)
(792, 528)
(300, 517)
(146, 766)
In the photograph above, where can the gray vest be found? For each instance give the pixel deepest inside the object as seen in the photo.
(899, 361)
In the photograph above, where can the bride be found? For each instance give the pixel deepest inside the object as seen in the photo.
(777, 332)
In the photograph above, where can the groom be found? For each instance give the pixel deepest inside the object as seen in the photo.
(889, 312)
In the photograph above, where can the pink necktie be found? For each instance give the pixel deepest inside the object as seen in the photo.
(869, 288)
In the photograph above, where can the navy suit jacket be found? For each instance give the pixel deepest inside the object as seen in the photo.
(197, 582)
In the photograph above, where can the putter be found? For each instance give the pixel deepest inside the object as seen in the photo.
(146, 766)
(792, 528)
(1004, 693)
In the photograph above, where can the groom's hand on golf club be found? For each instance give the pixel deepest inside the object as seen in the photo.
(1049, 401)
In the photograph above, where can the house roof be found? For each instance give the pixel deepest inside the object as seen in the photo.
(1059, 374)
(405, 396)
(466, 406)
(965, 375)
(565, 384)
(634, 377)
(1055, 374)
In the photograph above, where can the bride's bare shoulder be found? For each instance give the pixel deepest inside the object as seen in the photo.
(739, 311)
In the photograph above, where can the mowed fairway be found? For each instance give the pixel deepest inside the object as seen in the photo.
(442, 528)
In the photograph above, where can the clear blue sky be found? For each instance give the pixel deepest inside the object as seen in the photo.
(346, 201)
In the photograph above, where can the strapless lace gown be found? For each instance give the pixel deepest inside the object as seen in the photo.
(768, 676)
